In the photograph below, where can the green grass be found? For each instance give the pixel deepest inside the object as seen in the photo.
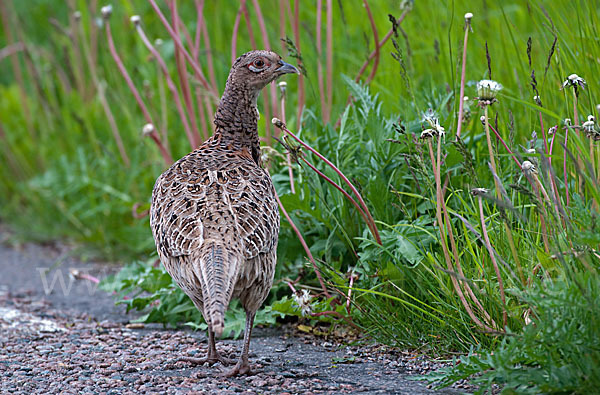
(62, 175)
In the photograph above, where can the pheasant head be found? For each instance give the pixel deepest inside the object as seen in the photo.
(256, 69)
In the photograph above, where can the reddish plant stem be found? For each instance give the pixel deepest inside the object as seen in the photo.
(305, 246)
(177, 41)
(488, 246)
(288, 155)
(329, 55)
(198, 33)
(378, 47)
(324, 114)
(183, 80)
(136, 94)
(271, 100)
(282, 21)
(296, 28)
(565, 165)
(506, 147)
(462, 81)
(370, 221)
(376, 39)
(209, 58)
(234, 34)
(339, 188)
(192, 137)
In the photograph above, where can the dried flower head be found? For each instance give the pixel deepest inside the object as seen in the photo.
(77, 16)
(282, 85)
(528, 167)
(552, 130)
(158, 42)
(148, 129)
(106, 11)
(278, 122)
(407, 5)
(575, 81)
(427, 134)
(567, 122)
(135, 19)
(468, 16)
(530, 151)
(302, 300)
(432, 123)
(487, 91)
(479, 191)
(537, 100)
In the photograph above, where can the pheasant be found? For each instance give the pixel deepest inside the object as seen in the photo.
(214, 214)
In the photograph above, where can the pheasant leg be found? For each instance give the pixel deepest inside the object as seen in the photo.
(242, 366)
(212, 356)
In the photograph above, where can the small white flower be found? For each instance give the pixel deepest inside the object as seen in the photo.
(466, 98)
(468, 16)
(302, 300)
(479, 191)
(147, 129)
(135, 19)
(487, 90)
(106, 11)
(575, 81)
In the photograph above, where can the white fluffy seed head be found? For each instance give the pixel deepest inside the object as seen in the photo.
(487, 89)
(77, 15)
(468, 16)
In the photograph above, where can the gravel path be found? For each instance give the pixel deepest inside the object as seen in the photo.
(69, 337)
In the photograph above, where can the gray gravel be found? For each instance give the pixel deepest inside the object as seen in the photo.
(77, 341)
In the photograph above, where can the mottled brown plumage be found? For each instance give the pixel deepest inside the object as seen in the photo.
(214, 215)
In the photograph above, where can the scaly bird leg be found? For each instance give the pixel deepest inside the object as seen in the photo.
(212, 356)
(242, 366)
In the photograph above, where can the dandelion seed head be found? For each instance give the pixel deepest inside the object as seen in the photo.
(77, 15)
(278, 122)
(302, 300)
(487, 91)
(530, 151)
(575, 81)
(468, 16)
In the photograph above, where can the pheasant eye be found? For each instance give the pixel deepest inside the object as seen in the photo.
(258, 65)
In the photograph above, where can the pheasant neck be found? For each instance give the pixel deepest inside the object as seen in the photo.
(236, 120)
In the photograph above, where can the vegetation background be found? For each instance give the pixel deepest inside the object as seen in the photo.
(412, 256)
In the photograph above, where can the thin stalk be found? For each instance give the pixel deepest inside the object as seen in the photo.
(178, 43)
(370, 222)
(288, 154)
(324, 114)
(183, 80)
(565, 165)
(376, 39)
(378, 46)
(329, 54)
(301, 94)
(447, 258)
(305, 246)
(461, 95)
(235, 33)
(488, 245)
(192, 137)
(136, 94)
(491, 149)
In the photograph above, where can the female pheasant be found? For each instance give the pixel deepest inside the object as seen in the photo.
(214, 215)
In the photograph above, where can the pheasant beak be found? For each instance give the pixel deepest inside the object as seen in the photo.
(287, 68)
